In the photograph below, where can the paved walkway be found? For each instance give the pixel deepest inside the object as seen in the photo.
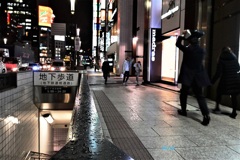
(150, 113)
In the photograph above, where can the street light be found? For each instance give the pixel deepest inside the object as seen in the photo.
(78, 32)
(48, 117)
(77, 46)
(5, 40)
(72, 6)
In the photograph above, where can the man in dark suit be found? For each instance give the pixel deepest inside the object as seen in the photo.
(106, 70)
(192, 73)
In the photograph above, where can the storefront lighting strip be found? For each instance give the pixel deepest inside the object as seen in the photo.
(171, 11)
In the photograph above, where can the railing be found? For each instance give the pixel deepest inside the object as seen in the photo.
(36, 156)
(85, 136)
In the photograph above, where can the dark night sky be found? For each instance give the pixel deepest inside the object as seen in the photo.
(83, 17)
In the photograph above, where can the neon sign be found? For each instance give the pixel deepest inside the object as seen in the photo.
(8, 18)
(153, 48)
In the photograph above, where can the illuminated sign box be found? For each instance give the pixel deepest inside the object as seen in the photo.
(156, 11)
(45, 16)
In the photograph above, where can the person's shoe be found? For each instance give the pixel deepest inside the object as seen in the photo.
(206, 120)
(216, 111)
(137, 84)
(233, 115)
(183, 113)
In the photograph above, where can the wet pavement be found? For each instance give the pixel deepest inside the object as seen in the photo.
(150, 115)
(85, 136)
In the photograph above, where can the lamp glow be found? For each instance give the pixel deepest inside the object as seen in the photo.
(13, 119)
(5, 40)
(72, 6)
(48, 118)
(78, 32)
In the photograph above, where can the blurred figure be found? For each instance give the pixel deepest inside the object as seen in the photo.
(138, 69)
(192, 73)
(126, 68)
(105, 70)
(229, 83)
(96, 66)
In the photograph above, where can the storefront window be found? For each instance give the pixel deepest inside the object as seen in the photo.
(169, 59)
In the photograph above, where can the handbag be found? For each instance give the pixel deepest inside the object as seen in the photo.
(121, 75)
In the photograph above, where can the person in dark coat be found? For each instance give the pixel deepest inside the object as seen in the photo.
(192, 73)
(229, 83)
(105, 70)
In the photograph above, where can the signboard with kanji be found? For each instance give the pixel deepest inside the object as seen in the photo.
(56, 78)
(56, 90)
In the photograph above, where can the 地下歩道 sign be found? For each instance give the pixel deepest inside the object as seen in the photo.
(56, 78)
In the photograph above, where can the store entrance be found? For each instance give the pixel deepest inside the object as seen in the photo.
(169, 68)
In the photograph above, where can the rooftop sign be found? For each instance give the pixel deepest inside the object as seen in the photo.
(45, 16)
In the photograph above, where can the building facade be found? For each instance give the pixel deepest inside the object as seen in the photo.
(19, 22)
(149, 31)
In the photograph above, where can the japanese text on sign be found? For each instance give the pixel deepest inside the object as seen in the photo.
(55, 78)
(55, 89)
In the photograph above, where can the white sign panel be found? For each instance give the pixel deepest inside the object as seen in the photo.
(56, 78)
(77, 43)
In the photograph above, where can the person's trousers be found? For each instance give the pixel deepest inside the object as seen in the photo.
(137, 77)
(233, 98)
(126, 76)
(199, 96)
(105, 76)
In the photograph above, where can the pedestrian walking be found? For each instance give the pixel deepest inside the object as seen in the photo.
(138, 69)
(106, 70)
(229, 79)
(126, 69)
(96, 66)
(192, 73)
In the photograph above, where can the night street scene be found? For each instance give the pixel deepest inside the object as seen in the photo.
(119, 80)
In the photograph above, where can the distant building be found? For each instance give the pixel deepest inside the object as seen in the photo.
(19, 25)
(63, 42)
